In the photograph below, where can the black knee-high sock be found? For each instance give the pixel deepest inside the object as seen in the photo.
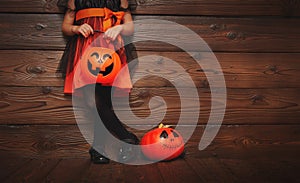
(107, 114)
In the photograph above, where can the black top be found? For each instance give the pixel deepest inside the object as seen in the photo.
(113, 5)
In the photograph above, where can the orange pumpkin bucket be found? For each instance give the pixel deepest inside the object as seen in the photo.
(162, 143)
(100, 64)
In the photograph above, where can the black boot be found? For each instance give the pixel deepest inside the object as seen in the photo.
(128, 152)
(98, 158)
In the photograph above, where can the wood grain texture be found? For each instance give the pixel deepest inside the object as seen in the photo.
(40, 141)
(219, 7)
(31, 31)
(43, 31)
(257, 45)
(196, 170)
(232, 142)
(206, 167)
(32, 105)
(241, 70)
(17, 6)
(224, 34)
(176, 174)
(171, 7)
(35, 170)
(36, 105)
(74, 169)
(11, 166)
(263, 170)
(30, 68)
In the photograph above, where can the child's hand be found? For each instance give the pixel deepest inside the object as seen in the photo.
(84, 29)
(113, 32)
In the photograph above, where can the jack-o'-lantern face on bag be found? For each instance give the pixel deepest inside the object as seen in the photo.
(166, 143)
(101, 64)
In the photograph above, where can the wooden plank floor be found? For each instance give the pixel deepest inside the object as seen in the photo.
(190, 169)
(246, 153)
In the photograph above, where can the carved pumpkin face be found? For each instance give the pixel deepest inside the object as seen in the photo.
(162, 144)
(101, 64)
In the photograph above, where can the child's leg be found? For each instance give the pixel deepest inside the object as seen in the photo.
(97, 151)
(113, 124)
(107, 115)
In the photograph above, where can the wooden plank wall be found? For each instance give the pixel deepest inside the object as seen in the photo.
(256, 42)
